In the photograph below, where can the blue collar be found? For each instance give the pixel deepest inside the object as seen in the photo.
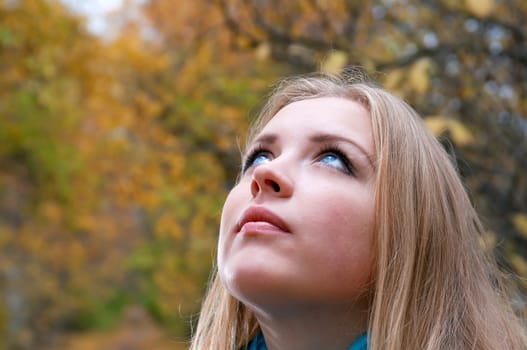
(258, 343)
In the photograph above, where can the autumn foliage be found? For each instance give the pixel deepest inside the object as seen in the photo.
(116, 153)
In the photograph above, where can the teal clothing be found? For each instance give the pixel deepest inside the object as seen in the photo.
(361, 343)
(258, 343)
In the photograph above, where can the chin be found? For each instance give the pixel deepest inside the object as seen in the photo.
(256, 285)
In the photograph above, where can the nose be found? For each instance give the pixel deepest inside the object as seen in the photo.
(269, 179)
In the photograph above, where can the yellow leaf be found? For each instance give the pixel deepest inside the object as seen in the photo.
(334, 62)
(460, 134)
(437, 124)
(393, 78)
(520, 265)
(166, 224)
(86, 222)
(149, 199)
(480, 8)
(51, 211)
(520, 223)
(420, 75)
(263, 51)
(242, 41)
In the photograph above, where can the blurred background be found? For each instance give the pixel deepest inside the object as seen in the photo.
(119, 130)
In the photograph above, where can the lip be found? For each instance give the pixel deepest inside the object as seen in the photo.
(260, 220)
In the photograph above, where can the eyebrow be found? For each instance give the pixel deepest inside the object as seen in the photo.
(266, 139)
(324, 137)
(269, 139)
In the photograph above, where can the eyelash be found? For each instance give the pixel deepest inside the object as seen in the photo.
(324, 149)
(337, 151)
(249, 159)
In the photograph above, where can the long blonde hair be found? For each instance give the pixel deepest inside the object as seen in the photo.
(434, 287)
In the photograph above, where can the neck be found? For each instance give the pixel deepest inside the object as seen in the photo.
(306, 327)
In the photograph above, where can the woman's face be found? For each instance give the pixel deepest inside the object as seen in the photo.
(298, 225)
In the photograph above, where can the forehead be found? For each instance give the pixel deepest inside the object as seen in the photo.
(336, 115)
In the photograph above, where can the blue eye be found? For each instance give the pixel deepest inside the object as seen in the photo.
(260, 158)
(336, 159)
(257, 157)
(332, 160)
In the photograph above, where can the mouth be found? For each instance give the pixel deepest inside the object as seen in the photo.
(260, 220)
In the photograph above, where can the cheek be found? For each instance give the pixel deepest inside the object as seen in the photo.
(345, 213)
(343, 227)
(348, 233)
(232, 208)
(230, 213)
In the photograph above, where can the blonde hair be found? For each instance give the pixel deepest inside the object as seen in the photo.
(434, 287)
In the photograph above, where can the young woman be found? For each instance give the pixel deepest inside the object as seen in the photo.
(349, 228)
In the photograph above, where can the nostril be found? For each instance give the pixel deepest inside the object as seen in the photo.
(274, 185)
(255, 188)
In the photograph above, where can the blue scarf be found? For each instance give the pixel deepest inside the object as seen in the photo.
(258, 343)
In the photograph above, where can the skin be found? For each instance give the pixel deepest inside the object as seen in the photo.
(307, 277)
